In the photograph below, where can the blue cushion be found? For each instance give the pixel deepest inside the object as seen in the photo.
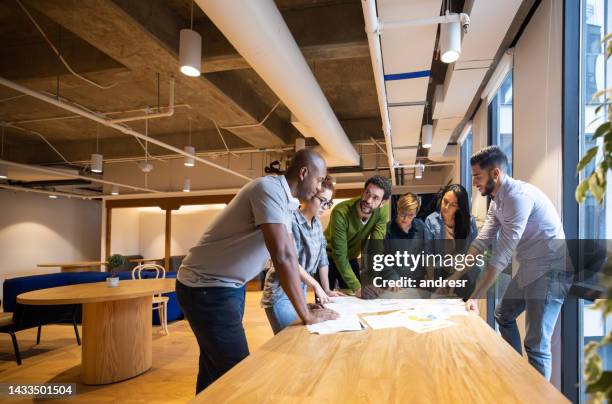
(85, 277)
(16, 286)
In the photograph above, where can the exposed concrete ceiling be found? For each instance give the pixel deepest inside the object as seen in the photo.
(135, 45)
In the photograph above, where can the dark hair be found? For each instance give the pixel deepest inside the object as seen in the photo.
(382, 183)
(490, 157)
(463, 220)
(329, 183)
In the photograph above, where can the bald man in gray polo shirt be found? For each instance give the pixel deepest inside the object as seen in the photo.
(255, 226)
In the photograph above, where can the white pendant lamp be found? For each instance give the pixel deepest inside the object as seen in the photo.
(450, 42)
(187, 185)
(115, 190)
(190, 51)
(189, 161)
(418, 171)
(96, 163)
(427, 136)
(3, 172)
(96, 158)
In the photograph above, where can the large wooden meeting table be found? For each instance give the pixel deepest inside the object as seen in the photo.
(117, 330)
(464, 363)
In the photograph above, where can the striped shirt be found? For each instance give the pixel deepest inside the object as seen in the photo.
(311, 247)
(527, 223)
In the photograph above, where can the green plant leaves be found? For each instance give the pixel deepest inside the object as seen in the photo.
(586, 159)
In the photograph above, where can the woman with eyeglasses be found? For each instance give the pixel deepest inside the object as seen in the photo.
(312, 256)
(452, 229)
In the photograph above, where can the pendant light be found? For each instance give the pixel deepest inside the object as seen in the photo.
(418, 171)
(189, 161)
(427, 131)
(3, 168)
(96, 158)
(190, 50)
(115, 190)
(187, 185)
(450, 39)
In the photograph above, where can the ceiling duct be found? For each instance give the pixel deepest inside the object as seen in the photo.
(259, 33)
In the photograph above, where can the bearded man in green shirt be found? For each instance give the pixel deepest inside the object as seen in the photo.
(351, 222)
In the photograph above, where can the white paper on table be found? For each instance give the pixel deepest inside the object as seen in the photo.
(422, 327)
(343, 323)
(396, 319)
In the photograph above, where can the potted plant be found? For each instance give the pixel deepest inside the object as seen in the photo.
(114, 262)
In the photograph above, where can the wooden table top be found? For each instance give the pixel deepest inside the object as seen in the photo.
(77, 264)
(146, 259)
(465, 363)
(97, 292)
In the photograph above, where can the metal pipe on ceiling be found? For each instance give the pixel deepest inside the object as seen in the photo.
(106, 122)
(70, 175)
(45, 192)
(371, 27)
(165, 114)
(259, 33)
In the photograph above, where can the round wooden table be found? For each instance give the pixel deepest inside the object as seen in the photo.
(117, 331)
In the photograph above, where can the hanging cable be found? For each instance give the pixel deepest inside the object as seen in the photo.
(103, 87)
(191, 27)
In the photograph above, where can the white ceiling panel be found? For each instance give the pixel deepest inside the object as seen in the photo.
(405, 156)
(460, 91)
(406, 125)
(408, 49)
(443, 129)
(409, 90)
(489, 22)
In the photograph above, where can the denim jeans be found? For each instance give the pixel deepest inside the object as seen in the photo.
(215, 316)
(282, 313)
(541, 300)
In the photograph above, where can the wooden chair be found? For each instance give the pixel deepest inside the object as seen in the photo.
(160, 302)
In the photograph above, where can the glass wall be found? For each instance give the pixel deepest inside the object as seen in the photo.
(595, 222)
(466, 169)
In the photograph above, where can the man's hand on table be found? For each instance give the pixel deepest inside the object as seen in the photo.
(318, 314)
(368, 292)
(472, 305)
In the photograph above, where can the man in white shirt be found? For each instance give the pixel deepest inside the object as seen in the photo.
(522, 220)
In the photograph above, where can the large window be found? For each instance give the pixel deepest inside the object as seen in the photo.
(500, 119)
(466, 169)
(594, 221)
(500, 134)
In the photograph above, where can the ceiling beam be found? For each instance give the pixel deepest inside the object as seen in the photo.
(143, 36)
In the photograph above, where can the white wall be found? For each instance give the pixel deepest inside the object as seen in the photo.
(35, 229)
(125, 231)
(142, 230)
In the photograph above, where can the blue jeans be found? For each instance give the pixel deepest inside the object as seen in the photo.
(215, 316)
(541, 300)
(282, 313)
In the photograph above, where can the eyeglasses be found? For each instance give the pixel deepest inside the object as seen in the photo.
(325, 204)
(404, 215)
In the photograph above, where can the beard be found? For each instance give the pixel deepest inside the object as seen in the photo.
(489, 186)
(366, 209)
